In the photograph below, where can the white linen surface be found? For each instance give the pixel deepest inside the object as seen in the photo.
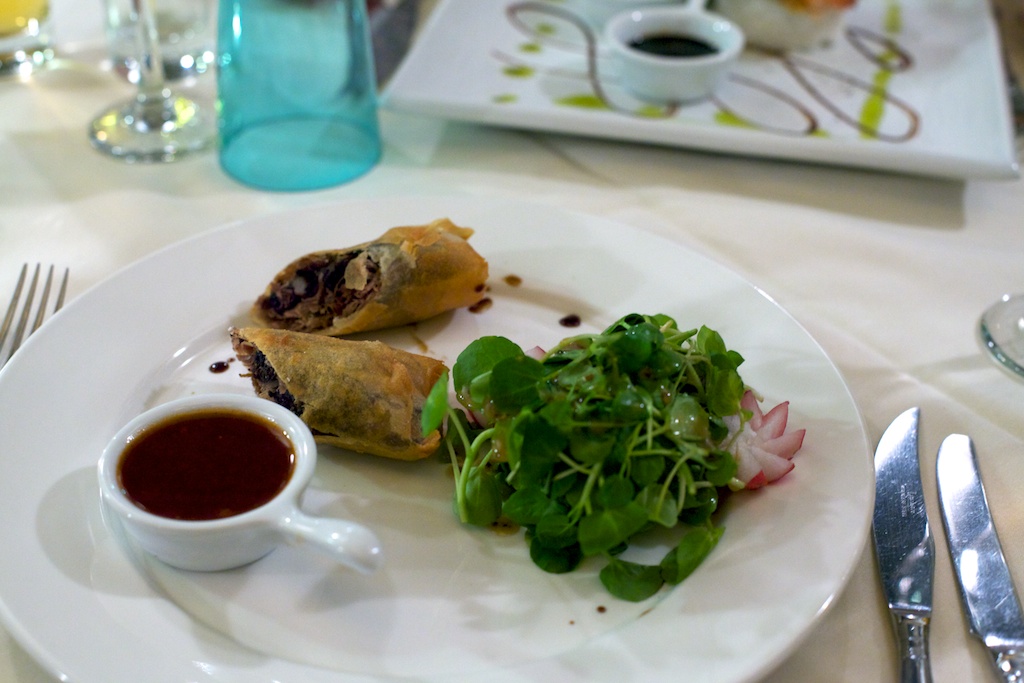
(888, 273)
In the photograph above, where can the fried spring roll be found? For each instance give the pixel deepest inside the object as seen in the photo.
(361, 395)
(407, 275)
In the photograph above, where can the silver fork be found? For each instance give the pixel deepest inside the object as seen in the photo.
(23, 330)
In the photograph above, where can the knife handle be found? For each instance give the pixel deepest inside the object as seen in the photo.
(912, 633)
(1009, 665)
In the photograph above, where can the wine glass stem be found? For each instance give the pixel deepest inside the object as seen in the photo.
(151, 66)
(155, 124)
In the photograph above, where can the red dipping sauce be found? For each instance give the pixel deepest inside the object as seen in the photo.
(206, 465)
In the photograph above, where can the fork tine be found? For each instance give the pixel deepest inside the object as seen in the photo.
(19, 331)
(41, 311)
(63, 290)
(9, 316)
(22, 331)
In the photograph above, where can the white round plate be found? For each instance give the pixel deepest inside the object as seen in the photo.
(452, 603)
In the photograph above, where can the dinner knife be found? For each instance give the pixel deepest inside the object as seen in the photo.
(986, 588)
(904, 547)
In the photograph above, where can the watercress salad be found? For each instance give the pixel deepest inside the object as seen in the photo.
(602, 437)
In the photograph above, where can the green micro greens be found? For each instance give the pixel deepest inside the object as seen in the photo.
(604, 437)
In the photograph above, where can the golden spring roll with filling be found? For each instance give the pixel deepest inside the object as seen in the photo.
(407, 275)
(361, 395)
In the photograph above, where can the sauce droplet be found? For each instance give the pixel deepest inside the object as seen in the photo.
(513, 280)
(481, 306)
(221, 366)
(503, 526)
(571, 320)
(420, 344)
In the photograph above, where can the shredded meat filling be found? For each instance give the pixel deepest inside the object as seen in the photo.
(265, 379)
(327, 287)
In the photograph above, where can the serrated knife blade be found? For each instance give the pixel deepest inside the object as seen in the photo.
(987, 594)
(904, 547)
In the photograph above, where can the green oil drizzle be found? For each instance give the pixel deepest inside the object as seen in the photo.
(873, 110)
(652, 111)
(727, 118)
(585, 101)
(893, 19)
(518, 71)
(874, 106)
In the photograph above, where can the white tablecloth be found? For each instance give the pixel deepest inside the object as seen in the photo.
(888, 273)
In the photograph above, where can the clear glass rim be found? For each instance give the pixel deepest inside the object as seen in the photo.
(992, 345)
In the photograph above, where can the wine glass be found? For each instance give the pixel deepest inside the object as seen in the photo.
(156, 124)
(1002, 332)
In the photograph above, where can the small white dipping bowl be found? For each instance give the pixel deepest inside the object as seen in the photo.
(670, 80)
(228, 542)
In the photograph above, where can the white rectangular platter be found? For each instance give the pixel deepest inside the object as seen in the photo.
(910, 86)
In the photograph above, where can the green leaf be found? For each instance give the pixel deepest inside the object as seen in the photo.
(478, 392)
(614, 492)
(482, 498)
(555, 560)
(720, 467)
(514, 383)
(687, 419)
(699, 506)
(725, 389)
(634, 346)
(735, 359)
(585, 379)
(527, 506)
(620, 451)
(571, 494)
(631, 581)
(665, 363)
(480, 357)
(508, 437)
(588, 447)
(719, 430)
(538, 451)
(559, 415)
(664, 322)
(629, 405)
(561, 486)
(626, 322)
(436, 406)
(555, 530)
(647, 469)
(709, 342)
(458, 424)
(660, 509)
(694, 547)
(601, 531)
